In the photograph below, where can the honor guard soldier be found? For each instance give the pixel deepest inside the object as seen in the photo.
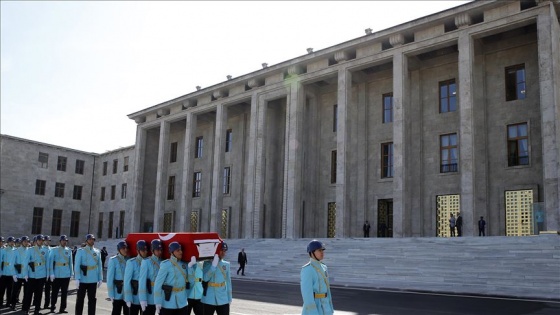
(48, 282)
(170, 289)
(115, 279)
(88, 273)
(217, 282)
(148, 273)
(195, 292)
(131, 276)
(315, 289)
(60, 270)
(35, 272)
(19, 281)
(8, 272)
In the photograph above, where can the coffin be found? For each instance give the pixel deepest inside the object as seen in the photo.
(202, 245)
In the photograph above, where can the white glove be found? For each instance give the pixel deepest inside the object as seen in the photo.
(26, 278)
(99, 284)
(77, 283)
(193, 262)
(15, 278)
(215, 260)
(158, 308)
(128, 304)
(52, 278)
(143, 304)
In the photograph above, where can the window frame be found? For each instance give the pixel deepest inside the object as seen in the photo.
(40, 187)
(171, 188)
(513, 91)
(448, 97)
(226, 181)
(124, 190)
(448, 167)
(61, 163)
(125, 164)
(75, 224)
(333, 166)
(113, 192)
(77, 193)
(385, 109)
(105, 166)
(115, 166)
(516, 142)
(197, 184)
(387, 160)
(173, 152)
(56, 222)
(80, 166)
(43, 160)
(37, 222)
(229, 140)
(199, 147)
(59, 190)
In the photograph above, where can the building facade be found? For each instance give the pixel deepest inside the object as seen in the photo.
(453, 112)
(51, 190)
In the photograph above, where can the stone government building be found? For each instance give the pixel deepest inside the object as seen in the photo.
(455, 111)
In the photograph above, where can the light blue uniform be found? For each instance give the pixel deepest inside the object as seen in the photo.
(132, 272)
(115, 271)
(195, 279)
(219, 283)
(60, 262)
(148, 270)
(175, 274)
(315, 289)
(8, 261)
(38, 256)
(90, 257)
(19, 259)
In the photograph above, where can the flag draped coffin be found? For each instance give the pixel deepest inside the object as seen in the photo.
(202, 245)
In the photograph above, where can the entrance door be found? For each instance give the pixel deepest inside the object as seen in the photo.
(331, 220)
(446, 205)
(519, 214)
(385, 218)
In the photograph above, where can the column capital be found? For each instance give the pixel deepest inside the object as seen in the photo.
(462, 20)
(218, 94)
(253, 83)
(396, 40)
(294, 70)
(163, 112)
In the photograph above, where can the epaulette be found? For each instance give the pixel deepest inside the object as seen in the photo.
(309, 263)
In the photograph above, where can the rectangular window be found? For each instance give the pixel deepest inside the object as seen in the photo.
(171, 188)
(113, 191)
(518, 145)
(226, 180)
(515, 83)
(121, 224)
(197, 180)
(173, 153)
(75, 224)
(102, 197)
(447, 96)
(335, 118)
(333, 167)
(387, 160)
(123, 191)
(43, 160)
(387, 108)
(61, 164)
(115, 166)
(37, 220)
(110, 227)
(56, 222)
(100, 225)
(125, 164)
(40, 187)
(104, 168)
(80, 167)
(448, 153)
(59, 190)
(199, 145)
(77, 192)
(229, 140)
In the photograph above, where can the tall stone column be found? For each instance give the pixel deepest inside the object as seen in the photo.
(293, 163)
(259, 168)
(137, 184)
(161, 177)
(342, 144)
(248, 231)
(362, 211)
(549, 75)
(400, 103)
(466, 131)
(187, 178)
(217, 173)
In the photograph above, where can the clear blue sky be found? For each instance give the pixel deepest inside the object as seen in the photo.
(72, 70)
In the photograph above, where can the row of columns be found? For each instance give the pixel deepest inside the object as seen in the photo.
(547, 25)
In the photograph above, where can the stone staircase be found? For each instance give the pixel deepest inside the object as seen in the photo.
(524, 267)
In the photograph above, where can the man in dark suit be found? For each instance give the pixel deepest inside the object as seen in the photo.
(459, 224)
(242, 260)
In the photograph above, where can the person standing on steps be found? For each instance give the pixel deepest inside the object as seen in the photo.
(481, 227)
(451, 225)
(242, 260)
(459, 224)
(366, 228)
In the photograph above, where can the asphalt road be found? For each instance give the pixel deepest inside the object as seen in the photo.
(268, 298)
